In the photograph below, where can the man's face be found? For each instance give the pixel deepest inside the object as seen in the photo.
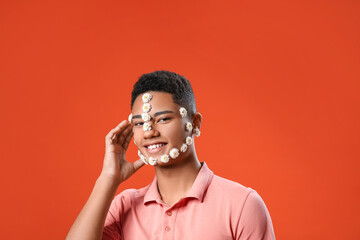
(168, 127)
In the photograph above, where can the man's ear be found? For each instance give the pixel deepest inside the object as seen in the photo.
(197, 119)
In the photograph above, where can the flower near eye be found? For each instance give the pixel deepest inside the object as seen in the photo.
(174, 153)
(189, 126)
(152, 161)
(143, 158)
(147, 126)
(130, 117)
(146, 97)
(146, 117)
(146, 107)
(189, 140)
(165, 158)
(183, 147)
(183, 112)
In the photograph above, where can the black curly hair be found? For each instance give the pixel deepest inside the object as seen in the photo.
(165, 81)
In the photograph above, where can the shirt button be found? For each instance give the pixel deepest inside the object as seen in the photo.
(169, 213)
(167, 229)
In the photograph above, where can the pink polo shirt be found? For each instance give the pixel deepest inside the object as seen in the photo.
(215, 208)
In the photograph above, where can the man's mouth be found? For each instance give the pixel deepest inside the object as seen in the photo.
(154, 148)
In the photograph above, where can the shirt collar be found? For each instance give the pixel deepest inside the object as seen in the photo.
(197, 190)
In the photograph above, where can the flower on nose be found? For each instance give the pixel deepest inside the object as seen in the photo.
(147, 126)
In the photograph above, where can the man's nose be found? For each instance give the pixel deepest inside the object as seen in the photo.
(151, 133)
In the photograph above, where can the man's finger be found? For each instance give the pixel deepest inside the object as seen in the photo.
(128, 139)
(111, 135)
(138, 164)
(122, 136)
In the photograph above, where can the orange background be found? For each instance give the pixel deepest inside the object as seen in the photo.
(277, 83)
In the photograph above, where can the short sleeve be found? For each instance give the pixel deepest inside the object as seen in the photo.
(255, 222)
(112, 228)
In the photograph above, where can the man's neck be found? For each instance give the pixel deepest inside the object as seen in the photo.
(174, 182)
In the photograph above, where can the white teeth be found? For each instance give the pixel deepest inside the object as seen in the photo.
(155, 146)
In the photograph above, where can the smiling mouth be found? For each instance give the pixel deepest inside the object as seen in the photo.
(154, 148)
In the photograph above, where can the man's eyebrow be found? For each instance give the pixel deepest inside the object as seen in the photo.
(162, 112)
(155, 115)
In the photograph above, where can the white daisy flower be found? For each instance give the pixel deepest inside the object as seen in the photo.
(146, 107)
(143, 158)
(146, 97)
(146, 117)
(189, 126)
(197, 132)
(130, 117)
(183, 112)
(139, 153)
(147, 126)
(165, 158)
(152, 161)
(183, 148)
(174, 153)
(189, 140)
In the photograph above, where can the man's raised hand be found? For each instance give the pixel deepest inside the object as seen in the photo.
(116, 143)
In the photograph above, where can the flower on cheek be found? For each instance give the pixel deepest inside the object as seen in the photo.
(146, 97)
(146, 107)
(147, 126)
(183, 112)
(183, 148)
(146, 117)
(165, 158)
(174, 153)
(189, 126)
(152, 161)
(189, 140)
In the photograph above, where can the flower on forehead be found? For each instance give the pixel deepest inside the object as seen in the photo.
(147, 126)
(152, 161)
(165, 158)
(130, 117)
(146, 97)
(197, 131)
(146, 117)
(183, 147)
(189, 140)
(183, 112)
(146, 107)
(189, 126)
(143, 158)
(174, 153)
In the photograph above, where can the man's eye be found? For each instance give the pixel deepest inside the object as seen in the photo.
(138, 124)
(164, 119)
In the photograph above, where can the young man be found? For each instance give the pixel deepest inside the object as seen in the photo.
(185, 200)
